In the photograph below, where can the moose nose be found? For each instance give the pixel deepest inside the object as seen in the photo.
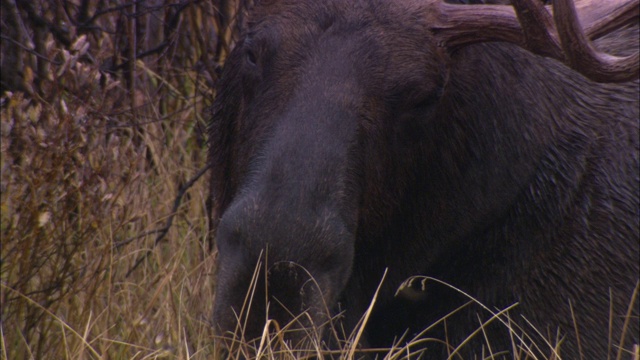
(253, 296)
(282, 230)
(285, 267)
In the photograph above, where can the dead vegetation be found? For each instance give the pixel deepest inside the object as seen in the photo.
(103, 106)
(102, 125)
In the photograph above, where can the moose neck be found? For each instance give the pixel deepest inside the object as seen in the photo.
(514, 132)
(504, 136)
(499, 120)
(512, 135)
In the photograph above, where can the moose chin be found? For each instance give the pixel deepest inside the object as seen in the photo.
(491, 148)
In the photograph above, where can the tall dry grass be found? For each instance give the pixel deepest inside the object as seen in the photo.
(103, 107)
(102, 124)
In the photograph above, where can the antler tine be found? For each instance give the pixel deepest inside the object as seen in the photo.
(598, 26)
(537, 25)
(531, 26)
(580, 54)
(456, 26)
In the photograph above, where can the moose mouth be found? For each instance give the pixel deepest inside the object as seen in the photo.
(262, 292)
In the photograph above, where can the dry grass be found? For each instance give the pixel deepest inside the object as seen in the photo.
(95, 146)
(102, 124)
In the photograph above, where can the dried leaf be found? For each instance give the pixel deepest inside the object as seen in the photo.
(81, 42)
(34, 112)
(28, 74)
(44, 218)
(63, 107)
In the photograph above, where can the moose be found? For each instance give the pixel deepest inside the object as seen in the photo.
(491, 150)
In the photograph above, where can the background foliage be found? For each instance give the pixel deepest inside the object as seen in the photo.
(103, 105)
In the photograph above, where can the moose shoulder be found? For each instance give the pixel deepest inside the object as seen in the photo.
(350, 138)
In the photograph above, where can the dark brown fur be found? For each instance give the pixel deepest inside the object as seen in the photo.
(345, 142)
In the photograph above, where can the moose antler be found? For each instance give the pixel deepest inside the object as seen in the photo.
(580, 54)
(532, 27)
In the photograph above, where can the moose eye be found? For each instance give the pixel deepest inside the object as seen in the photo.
(416, 98)
(251, 57)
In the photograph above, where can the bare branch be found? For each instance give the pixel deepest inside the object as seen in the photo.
(164, 230)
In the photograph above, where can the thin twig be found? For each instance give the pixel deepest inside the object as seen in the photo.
(122, 243)
(165, 230)
(30, 51)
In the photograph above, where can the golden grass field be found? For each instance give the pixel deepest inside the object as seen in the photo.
(103, 123)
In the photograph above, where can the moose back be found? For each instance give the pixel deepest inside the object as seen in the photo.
(350, 138)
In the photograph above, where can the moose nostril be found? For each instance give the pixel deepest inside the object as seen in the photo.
(230, 233)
